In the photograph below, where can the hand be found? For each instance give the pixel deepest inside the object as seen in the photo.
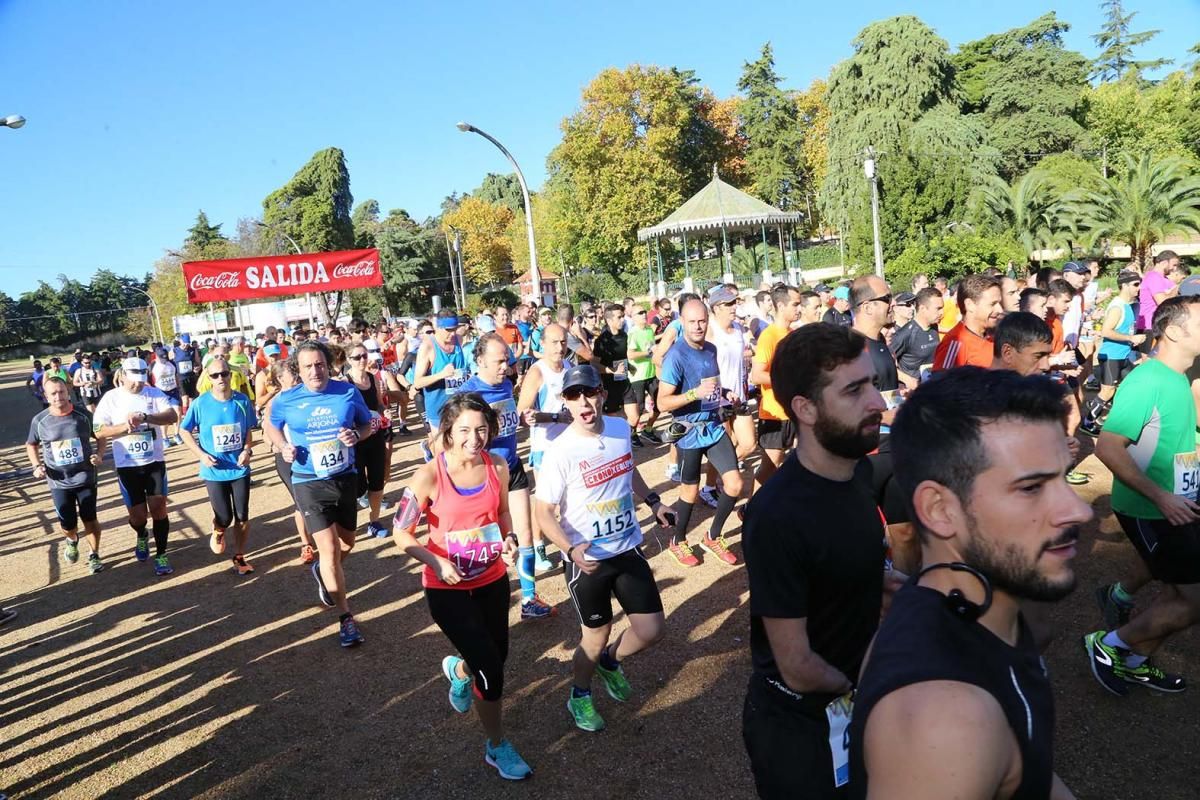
(530, 417)
(348, 437)
(1073, 447)
(1137, 339)
(95, 459)
(706, 388)
(664, 515)
(135, 419)
(207, 461)
(447, 371)
(40, 470)
(585, 566)
(244, 458)
(1178, 510)
(509, 553)
(446, 572)
(289, 453)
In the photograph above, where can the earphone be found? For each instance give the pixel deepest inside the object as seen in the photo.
(956, 601)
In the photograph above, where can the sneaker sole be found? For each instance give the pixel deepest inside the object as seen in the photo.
(492, 762)
(353, 643)
(1096, 673)
(1152, 688)
(578, 725)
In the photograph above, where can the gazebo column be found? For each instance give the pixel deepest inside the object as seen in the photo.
(727, 257)
(649, 270)
(796, 274)
(687, 268)
(766, 256)
(662, 285)
(782, 253)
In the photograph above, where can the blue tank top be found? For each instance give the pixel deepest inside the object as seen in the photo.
(1112, 349)
(436, 394)
(500, 398)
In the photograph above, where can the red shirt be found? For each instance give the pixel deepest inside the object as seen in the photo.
(465, 529)
(260, 358)
(960, 348)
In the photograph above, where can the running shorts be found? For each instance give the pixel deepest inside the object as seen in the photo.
(776, 434)
(73, 505)
(720, 454)
(642, 389)
(188, 384)
(284, 470)
(140, 482)
(626, 576)
(1171, 552)
(518, 478)
(370, 459)
(230, 501)
(328, 502)
(1114, 370)
(620, 394)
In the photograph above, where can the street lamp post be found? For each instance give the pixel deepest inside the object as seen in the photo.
(535, 275)
(154, 308)
(12, 121)
(869, 171)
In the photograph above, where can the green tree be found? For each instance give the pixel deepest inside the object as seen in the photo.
(1147, 201)
(640, 144)
(205, 240)
(501, 190)
(812, 107)
(365, 220)
(314, 209)
(1117, 42)
(1026, 209)
(955, 254)
(1129, 118)
(769, 122)
(487, 256)
(1029, 89)
(414, 261)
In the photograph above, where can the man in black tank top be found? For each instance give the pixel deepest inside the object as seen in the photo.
(954, 700)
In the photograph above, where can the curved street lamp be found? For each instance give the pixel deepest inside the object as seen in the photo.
(535, 275)
(154, 306)
(12, 121)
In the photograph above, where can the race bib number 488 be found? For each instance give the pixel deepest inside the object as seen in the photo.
(65, 452)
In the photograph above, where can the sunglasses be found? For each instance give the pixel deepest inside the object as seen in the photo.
(219, 375)
(136, 371)
(886, 298)
(358, 358)
(575, 392)
(427, 332)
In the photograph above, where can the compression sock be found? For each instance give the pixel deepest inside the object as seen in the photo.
(577, 692)
(607, 660)
(525, 571)
(161, 526)
(1121, 596)
(724, 507)
(683, 513)
(344, 617)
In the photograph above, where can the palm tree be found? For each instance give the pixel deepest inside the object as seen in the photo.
(1149, 200)
(1028, 209)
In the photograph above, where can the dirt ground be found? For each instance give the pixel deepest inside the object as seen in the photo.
(203, 684)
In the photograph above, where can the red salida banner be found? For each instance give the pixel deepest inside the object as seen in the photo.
(271, 276)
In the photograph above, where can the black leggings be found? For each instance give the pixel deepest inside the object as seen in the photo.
(476, 623)
(370, 461)
(230, 500)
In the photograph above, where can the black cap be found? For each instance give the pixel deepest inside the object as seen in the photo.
(1127, 276)
(821, 287)
(584, 375)
(905, 298)
(1075, 267)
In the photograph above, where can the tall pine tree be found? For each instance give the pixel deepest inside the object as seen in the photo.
(1116, 43)
(768, 118)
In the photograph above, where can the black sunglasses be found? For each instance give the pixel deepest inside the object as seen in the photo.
(215, 375)
(575, 392)
(358, 358)
(887, 298)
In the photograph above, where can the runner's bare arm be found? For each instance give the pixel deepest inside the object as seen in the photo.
(664, 344)
(421, 376)
(760, 373)
(940, 734)
(35, 458)
(189, 441)
(503, 517)
(552, 530)
(421, 490)
(802, 669)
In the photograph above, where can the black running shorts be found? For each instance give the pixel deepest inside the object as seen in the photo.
(327, 502)
(518, 478)
(720, 454)
(1114, 370)
(139, 483)
(73, 505)
(626, 576)
(776, 434)
(619, 394)
(1171, 552)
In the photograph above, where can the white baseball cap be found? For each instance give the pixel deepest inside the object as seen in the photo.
(134, 365)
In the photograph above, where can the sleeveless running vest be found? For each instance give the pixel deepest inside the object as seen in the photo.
(731, 358)
(549, 400)
(922, 639)
(465, 529)
(436, 394)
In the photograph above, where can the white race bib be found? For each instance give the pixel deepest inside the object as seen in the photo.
(166, 381)
(66, 452)
(1187, 475)
(456, 380)
(506, 410)
(139, 446)
(612, 522)
(227, 438)
(838, 713)
(184, 367)
(329, 457)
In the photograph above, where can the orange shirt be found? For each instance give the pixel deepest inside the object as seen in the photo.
(764, 353)
(961, 348)
(1057, 342)
(512, 336)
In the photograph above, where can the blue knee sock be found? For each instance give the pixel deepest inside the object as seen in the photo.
(525, 571)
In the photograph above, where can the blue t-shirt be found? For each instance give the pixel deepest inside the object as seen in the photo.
(182, 356)
(436, 394)
(685, 367)
(500, 398)
(223, 428)
(313, 420)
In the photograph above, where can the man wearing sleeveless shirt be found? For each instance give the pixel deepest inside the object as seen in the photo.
(441, 368)
(954, 700)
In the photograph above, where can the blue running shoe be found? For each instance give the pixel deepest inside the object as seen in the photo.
(322, 593)
(426, 453)
(162, 566)
(460, 688)
(507, 761)
(141, 550)
(377, 530)
(348, 634)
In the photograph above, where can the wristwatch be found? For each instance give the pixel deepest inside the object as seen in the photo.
(554, 417)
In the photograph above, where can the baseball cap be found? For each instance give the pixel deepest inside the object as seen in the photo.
(271, 350)
(841, 293)
(722, 294)
(463, 319)
(1190, 286)
(905, 298)
(584, 375)
(186, 338)
(133, 365)
(1076, 268)
(1129, 276)
(822, 287)
(485, 323)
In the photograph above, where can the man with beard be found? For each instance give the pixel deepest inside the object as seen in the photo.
(814, 548)
(954, 700)
(969, 342)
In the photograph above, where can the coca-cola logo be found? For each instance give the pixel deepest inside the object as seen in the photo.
(224, 280)
(363, 269)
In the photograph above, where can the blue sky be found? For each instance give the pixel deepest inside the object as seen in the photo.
(141, 113)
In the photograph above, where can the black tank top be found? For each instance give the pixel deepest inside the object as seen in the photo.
(922, 639)
(370, 395)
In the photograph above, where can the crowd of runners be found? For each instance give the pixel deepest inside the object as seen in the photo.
(899, 463)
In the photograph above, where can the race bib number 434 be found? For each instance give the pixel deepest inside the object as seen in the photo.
(1187, 475)
(329, 457)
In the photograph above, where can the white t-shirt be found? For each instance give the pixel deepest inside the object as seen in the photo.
(549, 400)
(143, 446)
(164, 375)
(590, 479)
(731, 358)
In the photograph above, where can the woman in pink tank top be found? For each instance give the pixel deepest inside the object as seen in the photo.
(464, 493)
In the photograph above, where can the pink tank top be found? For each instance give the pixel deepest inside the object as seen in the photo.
(465, 529)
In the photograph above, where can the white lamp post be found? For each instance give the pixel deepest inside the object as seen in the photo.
(869, 171)
(12, 121)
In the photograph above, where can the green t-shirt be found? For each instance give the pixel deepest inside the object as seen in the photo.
(641, 369)
(1154, 410)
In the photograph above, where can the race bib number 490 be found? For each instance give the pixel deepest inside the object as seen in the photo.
(1187, 475)
(473, 551)
(66, 452)
(329, 457)
(227, 438)
(139, 446)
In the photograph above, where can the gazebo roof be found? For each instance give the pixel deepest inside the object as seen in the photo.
(718, 206)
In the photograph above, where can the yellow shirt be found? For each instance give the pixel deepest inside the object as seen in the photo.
(237, 381)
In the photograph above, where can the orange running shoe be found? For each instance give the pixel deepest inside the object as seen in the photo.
(240, 564)
(683, 554)
(216, 542)
(720, 549)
